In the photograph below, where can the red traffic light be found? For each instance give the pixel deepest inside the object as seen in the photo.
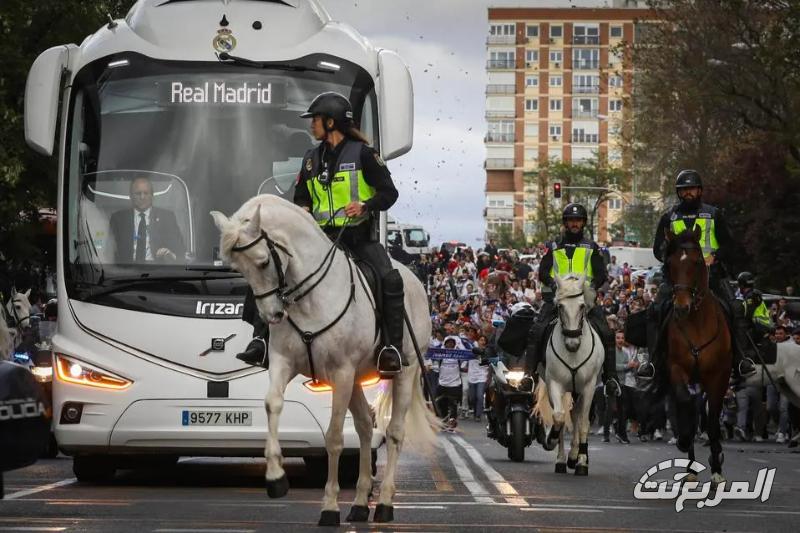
(557, 190)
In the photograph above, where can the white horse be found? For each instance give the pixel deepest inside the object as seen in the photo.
(287, 249)
(17, 313)
(574, 359)
(785, 371)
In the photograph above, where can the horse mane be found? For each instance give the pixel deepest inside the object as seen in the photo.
(678, 241)
(270, 206)
(573, 284)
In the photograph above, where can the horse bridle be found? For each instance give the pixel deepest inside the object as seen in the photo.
(574, 333)
(17, 321)
(697, 296)
(273, 248)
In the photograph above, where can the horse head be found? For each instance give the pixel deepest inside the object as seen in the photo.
(19, 308)
(571, 306)
(258, 257)
(687, 270)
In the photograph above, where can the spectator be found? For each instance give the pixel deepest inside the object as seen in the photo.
(449, 390)
(477, 376)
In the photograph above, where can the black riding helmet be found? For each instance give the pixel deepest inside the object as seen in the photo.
(574, 210)
(687, 179)
(746, 279)
(332, 105)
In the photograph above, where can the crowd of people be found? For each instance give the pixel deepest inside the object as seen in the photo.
(471, 297)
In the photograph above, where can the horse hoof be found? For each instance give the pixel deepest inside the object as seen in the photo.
(683, 446)
(358, 513)
(277, 488)
(571, 462)
(716, 480)
(329, 518)
(690, 478)
(561, 468)
(581, 470)
(383, 513)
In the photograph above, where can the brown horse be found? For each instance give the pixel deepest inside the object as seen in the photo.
(698, 343)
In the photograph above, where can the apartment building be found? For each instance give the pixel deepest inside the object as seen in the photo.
(559, 82)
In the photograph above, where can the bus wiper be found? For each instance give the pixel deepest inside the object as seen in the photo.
(225, 57)
(129, 282)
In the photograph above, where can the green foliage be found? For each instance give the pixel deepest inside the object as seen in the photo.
(638, 223)
(28, 181)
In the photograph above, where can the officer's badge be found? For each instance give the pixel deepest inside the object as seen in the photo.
(308, 165)
(224, 41)
(379, 159)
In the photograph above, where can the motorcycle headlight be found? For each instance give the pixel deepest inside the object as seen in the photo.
(80, 373)
(43, 374)
(514, 377)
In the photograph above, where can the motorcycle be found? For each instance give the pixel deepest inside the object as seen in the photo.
(509, 403)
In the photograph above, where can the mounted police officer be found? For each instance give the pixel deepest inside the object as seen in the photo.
(717, 245)
(573, 253)
(753, 322)
(344, 184)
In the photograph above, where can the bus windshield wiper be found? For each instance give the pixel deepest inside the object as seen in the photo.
(225, 57)
(128, 282)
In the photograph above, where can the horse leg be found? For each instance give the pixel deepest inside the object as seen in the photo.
(343, 384)
(572, 458)
(581, 411)
(362, 419)
(395, 433)
(276, 482)
(557, 431)
(714, 409)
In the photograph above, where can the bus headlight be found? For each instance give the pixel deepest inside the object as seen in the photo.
(43, 374)
(80, 373)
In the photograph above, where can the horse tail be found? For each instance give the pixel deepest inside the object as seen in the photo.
(421, 424)
(542, 409)
(5, 340)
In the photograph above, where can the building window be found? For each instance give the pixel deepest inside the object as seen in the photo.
(555, 57)
(532, 30)
(555, 31)
(531, 104)
(531, 129)
(579, 135)
(531, 57)
(615, 204)
(615, 81)
(555, 132)
(500, 131)
(556, 81)
(501, 59)
(585, 58)
(585, 34)
(615, 105)
(555, 104)
(531, 81)
(584, 83)
(502, 29)
(616, 31)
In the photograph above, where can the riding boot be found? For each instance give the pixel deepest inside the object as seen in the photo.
(257, 350)
(390, 361)
(611, 385)
(743, 365)
(657, 313)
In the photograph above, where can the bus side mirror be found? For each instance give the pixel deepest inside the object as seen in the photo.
(395, 105)
(42, 97)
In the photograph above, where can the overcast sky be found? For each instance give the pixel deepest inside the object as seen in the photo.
(442, 179)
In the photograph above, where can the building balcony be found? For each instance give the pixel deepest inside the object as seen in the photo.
(583, 64)
(586, 40)
(585, 89)
(501, 39)
(586, 138)
(498, 212)
(501, 89)
(584, 113)
(500, 163)
(501, 64)
(499, 137)
(494, 113)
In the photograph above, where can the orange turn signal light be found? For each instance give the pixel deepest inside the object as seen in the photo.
(321, 386)
(78, 373)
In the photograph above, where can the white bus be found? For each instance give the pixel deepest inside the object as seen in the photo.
(144, 351)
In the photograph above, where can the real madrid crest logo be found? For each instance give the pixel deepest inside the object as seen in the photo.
(224, 41)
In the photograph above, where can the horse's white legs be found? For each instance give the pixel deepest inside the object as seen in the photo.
(279, 377)
(395, 433)
(556, 391)
(362, 419)
(334, 442)
(572, 459)
(581, 428)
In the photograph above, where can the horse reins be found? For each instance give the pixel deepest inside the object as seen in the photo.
(284, 292)
(574, 333)
(697, 296)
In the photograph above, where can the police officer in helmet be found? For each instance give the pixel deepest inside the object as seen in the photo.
(750, 305)
(573, 253)
(344, 184)
(717, 245)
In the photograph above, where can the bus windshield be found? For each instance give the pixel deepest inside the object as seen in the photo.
(153, 146)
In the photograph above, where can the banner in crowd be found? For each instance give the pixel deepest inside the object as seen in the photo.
(438, 354)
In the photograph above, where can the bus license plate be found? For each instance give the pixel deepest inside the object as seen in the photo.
(217, 418)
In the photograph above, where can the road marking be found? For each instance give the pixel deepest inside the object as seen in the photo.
(762, 461)
(560, 509)
(505, 488)
(88, 503)
(434, 507)
(474, 487)
(440, 479)
(33, 529)
(42, 488)
(204, 530)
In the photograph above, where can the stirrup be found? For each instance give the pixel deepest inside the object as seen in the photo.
(264, 358)
(640, 372)
(752, 368)
(615, 384)
(388, 374)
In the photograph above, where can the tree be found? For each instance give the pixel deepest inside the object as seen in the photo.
(638, 223)
(28, 181)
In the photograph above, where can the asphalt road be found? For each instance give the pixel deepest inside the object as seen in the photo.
(468, 485)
